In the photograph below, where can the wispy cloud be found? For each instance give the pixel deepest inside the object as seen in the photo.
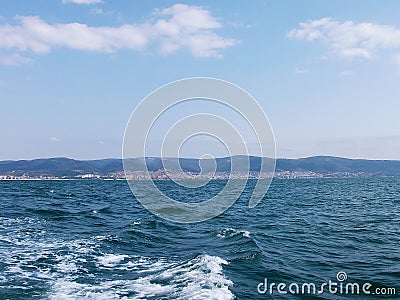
(177, 27)
(101, 12)
(54, 139)
(302, 71)
(14, 60)
(82, 1)
(349, 39)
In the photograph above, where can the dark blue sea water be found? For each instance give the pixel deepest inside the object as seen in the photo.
(92, 240)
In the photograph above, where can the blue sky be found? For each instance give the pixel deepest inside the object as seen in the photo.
(326, 73)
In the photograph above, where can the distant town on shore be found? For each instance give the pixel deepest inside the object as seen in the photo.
(250, 167)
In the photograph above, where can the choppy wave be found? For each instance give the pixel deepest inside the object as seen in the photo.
(70, 269)
(198, 278)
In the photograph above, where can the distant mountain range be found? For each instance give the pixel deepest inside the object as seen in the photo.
(69, 168)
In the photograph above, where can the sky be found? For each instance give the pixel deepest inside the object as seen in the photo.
(326, 73)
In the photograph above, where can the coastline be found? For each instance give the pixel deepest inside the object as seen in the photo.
(277, 175)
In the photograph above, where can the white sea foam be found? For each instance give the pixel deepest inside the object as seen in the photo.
(199, 278)
(230, 232)
(111, 260)
(145, 288)
(26, 247)
(69, 268)
(65, 289)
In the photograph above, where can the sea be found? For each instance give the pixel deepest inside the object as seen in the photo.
(91, 239)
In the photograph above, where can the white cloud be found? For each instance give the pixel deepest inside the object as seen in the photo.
(55, 139)
(14, 60)
(302, 71)
(40, 37)
(82, 1)
(349, 39)
(190, 27)
(177, 27)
